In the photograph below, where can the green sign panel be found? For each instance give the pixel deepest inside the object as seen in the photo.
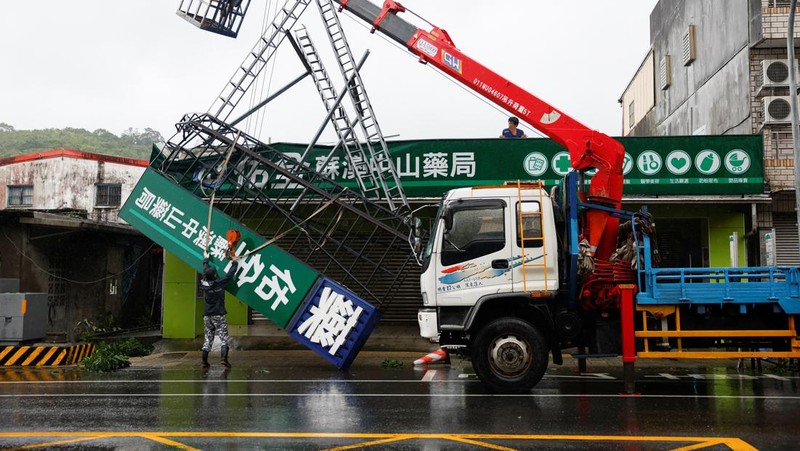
(270, 281)
(682, 165)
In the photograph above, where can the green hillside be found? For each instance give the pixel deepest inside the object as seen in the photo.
(132, 143)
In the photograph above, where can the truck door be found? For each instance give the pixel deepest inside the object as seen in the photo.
(475, 254)
(534, 262)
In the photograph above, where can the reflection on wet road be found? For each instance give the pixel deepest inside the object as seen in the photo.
(301, 406)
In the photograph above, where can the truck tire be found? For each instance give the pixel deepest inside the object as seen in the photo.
(509, 355)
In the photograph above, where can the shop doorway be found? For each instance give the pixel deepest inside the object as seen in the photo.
(683, 243)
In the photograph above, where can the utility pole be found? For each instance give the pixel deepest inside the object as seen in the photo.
(793, 107)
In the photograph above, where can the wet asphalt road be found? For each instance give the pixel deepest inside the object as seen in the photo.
(292, 400)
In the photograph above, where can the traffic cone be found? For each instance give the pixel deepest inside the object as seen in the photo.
(440, 355)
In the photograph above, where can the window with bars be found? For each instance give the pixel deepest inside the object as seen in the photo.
(20, 196)
(108, 195)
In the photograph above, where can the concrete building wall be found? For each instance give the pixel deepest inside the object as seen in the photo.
(709, 95)
(65, 183)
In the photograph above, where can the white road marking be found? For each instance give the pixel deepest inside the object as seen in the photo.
(261, 381)
(429, 375)
(396, 395)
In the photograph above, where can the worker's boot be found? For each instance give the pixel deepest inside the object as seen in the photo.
(225, 357)
(205, 359)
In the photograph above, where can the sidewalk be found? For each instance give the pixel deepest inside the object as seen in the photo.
(254, 344)
(387, 337)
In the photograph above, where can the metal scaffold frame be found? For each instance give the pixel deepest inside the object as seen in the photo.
(336, 230)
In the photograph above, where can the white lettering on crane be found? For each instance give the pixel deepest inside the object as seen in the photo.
(427, 48)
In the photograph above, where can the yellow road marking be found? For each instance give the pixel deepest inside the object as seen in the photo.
(166, 441)
(47, 356)
(17, 355)
(697, 442)
(732, 443)
(698, 446)
(397, 438)
(60, 442)
(33, 355)
(456, 438)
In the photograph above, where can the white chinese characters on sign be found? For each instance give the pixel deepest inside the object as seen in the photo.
(145, 200)
(272, 284)
(331, 321)
(163, 211)
(329, 167)
(279, 282)
(276, 289)
(437, 164)
(434, 165)
(463, 164)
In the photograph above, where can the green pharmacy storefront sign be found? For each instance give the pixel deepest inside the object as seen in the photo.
(681, 165)
(271, 281)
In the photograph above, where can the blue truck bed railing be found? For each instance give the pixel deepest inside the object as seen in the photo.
(718, 286)
(778, 285)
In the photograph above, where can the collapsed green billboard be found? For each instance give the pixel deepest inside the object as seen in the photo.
(270, 281)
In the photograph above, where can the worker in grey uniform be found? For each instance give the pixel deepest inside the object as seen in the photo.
(214, 312)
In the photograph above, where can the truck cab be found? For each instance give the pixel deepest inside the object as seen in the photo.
(490, 275)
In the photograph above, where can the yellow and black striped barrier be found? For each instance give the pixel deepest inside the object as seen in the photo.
(44, 355)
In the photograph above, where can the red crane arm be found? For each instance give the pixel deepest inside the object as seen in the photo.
(587, 148)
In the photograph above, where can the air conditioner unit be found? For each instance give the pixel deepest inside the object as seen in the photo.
(775, 73)
(777, 110)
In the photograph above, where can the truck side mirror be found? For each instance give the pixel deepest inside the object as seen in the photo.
(447, 215)
(417, 234)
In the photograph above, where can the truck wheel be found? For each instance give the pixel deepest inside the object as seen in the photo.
(509, 355)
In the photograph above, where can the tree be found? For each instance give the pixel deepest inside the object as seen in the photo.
(132, 144)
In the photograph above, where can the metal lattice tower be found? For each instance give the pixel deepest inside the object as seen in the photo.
(354, 240)
(375, 143)
(257, 59)
(370, 186)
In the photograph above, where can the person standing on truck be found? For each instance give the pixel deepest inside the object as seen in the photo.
(214, 319)
(512, 131)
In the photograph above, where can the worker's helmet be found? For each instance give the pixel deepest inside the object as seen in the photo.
(210, 274)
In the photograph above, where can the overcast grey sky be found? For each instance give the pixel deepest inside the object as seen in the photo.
(112, 65)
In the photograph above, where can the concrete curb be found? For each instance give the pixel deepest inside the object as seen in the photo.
(386, 338)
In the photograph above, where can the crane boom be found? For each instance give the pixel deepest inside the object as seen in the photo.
(587, 148)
